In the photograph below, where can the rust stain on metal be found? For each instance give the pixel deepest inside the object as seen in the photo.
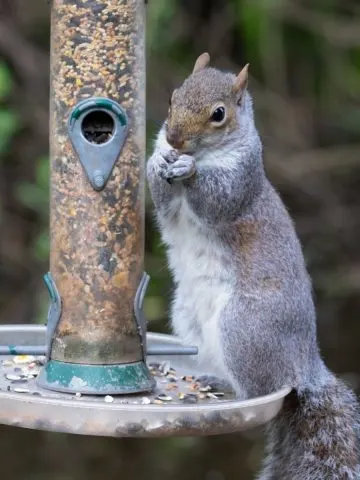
(97, 237)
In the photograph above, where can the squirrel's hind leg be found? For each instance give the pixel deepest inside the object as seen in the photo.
(258, 355)
(210, 356)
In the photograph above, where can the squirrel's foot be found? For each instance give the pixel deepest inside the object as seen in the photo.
(215, 383)
(182, 168)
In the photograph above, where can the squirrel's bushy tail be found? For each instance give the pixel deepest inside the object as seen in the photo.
(315, 436)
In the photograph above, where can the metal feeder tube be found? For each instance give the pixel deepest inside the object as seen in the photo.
(97, 147)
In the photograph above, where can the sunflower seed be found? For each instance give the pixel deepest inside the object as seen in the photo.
(12, 377)
(164, 398)
(21, 390)
(211, 395)
(154, 365)
(40, 360)
(208, 388)
(164, 368)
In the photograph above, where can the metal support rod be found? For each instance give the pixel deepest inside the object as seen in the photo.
(42, 349)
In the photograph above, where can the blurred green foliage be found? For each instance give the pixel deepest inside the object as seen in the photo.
(35, 196)
(8, 118)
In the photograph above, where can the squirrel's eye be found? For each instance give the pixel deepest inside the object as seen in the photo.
(218, 115)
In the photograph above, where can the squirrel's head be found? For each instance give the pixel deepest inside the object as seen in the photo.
(204, 110)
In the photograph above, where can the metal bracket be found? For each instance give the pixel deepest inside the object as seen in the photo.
(54, 312)
(142, 327)
(97, 129)
(139, 312)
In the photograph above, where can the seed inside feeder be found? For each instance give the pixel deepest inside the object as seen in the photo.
(97, 127)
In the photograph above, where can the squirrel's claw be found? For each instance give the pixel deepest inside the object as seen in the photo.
(213, 383)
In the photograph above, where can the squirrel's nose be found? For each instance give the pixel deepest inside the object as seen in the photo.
(173, 137)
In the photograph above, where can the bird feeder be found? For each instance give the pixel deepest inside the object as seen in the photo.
(93, 369)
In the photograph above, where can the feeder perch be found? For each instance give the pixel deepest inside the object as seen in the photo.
(93, 369)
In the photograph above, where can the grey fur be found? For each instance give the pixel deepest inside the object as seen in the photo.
(267, 328)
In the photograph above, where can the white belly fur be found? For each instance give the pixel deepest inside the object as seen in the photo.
(203, 285)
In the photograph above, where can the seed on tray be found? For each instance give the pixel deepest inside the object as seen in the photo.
(190, 398)
(13, 377)
(164, 398)
(171, 386)
(7, 363)
(40, 360)
(212, 395)
(208, 388)
(154, 365)
(21, 390)
(21, 359)
(165, 368)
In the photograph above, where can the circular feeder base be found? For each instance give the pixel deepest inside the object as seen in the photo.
(176, 407)
(96, 379)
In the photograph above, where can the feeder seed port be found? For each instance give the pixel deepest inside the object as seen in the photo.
(97, 127)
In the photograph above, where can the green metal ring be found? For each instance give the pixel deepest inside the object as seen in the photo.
(99, 102)
(96, 379)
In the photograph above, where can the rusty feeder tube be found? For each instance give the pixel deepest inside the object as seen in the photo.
(96, 331)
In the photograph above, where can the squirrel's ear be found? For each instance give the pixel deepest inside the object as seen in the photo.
(242, 79)
(201, 62)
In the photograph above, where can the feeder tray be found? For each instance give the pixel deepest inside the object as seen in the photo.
(24, 404)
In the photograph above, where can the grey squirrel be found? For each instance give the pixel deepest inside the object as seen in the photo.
(243, 294)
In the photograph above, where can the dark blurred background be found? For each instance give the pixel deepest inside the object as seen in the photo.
(305, 78)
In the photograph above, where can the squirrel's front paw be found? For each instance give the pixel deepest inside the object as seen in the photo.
(184, 167)
(159, 165)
